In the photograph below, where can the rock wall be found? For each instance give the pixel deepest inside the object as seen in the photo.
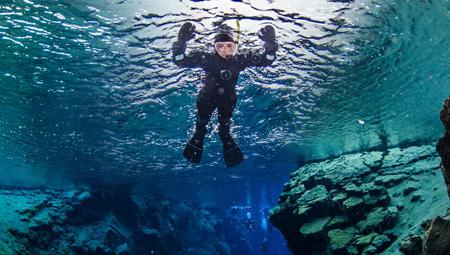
(109, 220)
(434, 237)
(443, 146)
(362, 203)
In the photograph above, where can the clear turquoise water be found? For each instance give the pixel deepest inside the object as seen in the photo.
(88, 89)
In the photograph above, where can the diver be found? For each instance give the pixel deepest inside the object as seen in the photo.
(222, 68)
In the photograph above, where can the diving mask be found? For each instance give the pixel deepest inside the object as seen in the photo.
(226, 49)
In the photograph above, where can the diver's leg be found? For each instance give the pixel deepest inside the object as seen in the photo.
(231, 152)
(194, 148)
(205, 108)
(225, 111)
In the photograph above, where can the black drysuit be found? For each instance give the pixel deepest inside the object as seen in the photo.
(219, 84)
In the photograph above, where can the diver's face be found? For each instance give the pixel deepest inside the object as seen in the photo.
(225, 49)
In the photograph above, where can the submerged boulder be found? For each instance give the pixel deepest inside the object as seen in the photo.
(122, 249)
(390, 180)
(317, 198)
(341, 238)
(434, 241)
(437, 238)
(338, 221)
(364, 241)
(91, 206)
(412, 245)
(381, 242)
(379, 219)
(354, 206)
(315, 227)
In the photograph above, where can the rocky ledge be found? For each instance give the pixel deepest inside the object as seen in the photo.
(363, 203)
(109, 220)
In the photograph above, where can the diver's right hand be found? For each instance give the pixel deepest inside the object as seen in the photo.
(186, 32)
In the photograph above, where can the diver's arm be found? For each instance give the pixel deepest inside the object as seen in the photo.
(270, 50)
(264, 59)
(181, 59)
(179, 56)
(267, 34)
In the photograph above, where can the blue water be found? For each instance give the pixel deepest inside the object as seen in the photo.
(89, 92)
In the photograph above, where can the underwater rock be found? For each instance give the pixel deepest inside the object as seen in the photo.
(341, 238)
(313, 202)
(296, 192)
(375, 220)
(354, 206)
(315, 227)
(33, 210)
(383, 200)
(315, 232)
(96, 204)
(122, 249)
(83, 196)
(437, 238)
(353, 190)
(337, 171)
(379, 219)
(370, 249)
(381, 242)
(416, 197)
(365, 193)
(408, 190)
(412, 245)
(443, 146)
(352, 250)
(113, 237)
(445, 114)
(283, 197)
(374, 160)
(390, 180)
(338, 221)
(222, 248)
(372, 189)
(340, 197)
(400, 157)
(149, 239)
(433, 238)
(365, 240)
(83, 223)
(374, 201)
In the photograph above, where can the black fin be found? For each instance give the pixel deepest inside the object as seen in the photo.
(194, 150)
(232, 154)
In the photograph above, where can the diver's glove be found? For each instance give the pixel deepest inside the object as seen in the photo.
(267, 34)
(186, 32)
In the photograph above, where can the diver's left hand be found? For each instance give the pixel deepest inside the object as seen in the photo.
(267, 34)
